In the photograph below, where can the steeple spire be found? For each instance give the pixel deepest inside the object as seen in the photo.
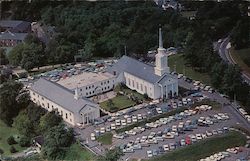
(160, 39)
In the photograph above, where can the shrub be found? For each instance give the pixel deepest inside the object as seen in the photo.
(11, 140)
(1, 151)
(24, 141)
(13, 149)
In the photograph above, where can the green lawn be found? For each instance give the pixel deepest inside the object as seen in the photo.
(105, 139)
(77, 152)
(204, 148)
(177, 62)
(6, 132)
(242, 57)
(120, 102)
(136, 94)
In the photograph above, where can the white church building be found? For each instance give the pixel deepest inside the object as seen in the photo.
(155, 81)
(69, 97)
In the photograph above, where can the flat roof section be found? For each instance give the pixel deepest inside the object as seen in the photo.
(84, 79)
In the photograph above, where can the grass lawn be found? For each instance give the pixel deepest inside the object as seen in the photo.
(120, 102)
(105, 139)
(177, 62)
(136, 94)
(242, 57)
(6, 132)
(204, 148)
(77, 152)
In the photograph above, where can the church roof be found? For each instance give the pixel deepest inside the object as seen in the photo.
(60, 95)
(136, 68)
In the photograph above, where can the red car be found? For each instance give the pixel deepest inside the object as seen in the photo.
(188, 140)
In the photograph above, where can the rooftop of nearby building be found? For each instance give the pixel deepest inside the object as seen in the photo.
(12, 36)
(60, 95)
(84, 79)
(17, 24)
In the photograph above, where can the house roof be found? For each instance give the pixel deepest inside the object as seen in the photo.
(60, 95)
(15, 25)
(12, 36)
(135, 67)
(39, 140)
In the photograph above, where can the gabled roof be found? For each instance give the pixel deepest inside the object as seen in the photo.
(136, 68)
(15, 25)
(60, 95)
(12, 36)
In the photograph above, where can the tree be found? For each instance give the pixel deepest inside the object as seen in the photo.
(241, 34)
(112, 155)
(3, 58)
(23, 124)
(57, 141)
(49, 120)
(24, 141)
(11, 140)
(9, 107)
(13, 149)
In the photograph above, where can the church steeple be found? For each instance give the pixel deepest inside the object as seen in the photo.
(161, 58)
(160, 39)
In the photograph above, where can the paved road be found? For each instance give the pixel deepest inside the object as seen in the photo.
(225, 55)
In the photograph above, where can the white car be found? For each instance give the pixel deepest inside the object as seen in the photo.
(123, 122)
(198, 136)
(118, 122)
(209, 133)
(102, 130)
(150, 153)
(113, 127)
(118, 136)
(92, 136)
(166, 147)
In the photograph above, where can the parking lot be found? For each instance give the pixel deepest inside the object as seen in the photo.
(173, 143)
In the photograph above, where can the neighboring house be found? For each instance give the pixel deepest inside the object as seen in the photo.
(38, 142)
(69, 105)
(15, 26)
(155, 81)
(9, 39)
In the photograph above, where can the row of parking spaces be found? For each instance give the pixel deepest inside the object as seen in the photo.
(171, 133)
(224, 155)
(197, 84)
(176, 131)
(245, 114)
(130, 119)
(181, 103)
(188, 140)
(70, 70)
(188, 125)
(200, 86)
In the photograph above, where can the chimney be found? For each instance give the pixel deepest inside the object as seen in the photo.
(76, 95)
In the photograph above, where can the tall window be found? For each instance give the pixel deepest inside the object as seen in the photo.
(145, 89)
(133, 83)
(137, 85)
(66, 116)
(141, 88)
